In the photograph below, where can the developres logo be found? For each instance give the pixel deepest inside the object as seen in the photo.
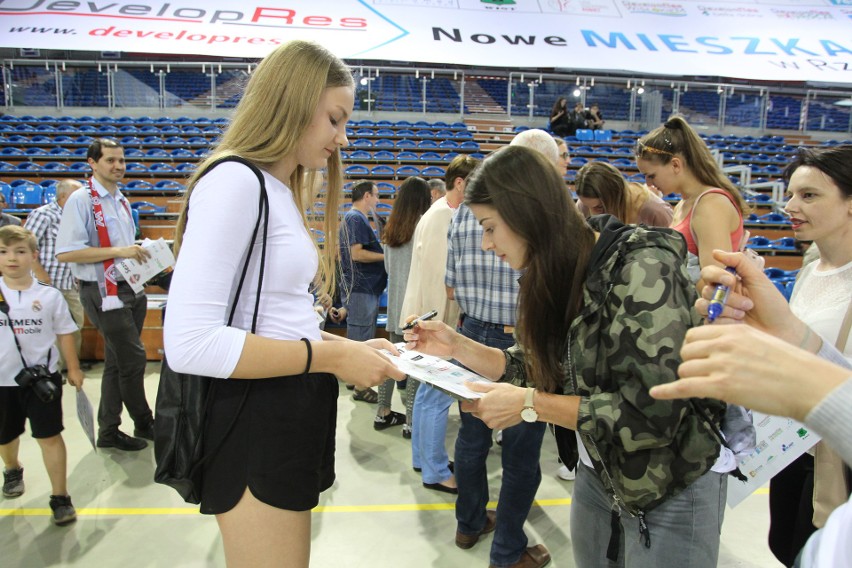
(265, 16)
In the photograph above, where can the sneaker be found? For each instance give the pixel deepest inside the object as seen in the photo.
(13, 482)
(147, 432)
(392, 419)
(406, 431)
(121, 441)
(63, 510)
(499, 437)
(565, 474)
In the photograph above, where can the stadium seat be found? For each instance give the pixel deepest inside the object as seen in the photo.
(407, 171)
(433, 171)
(356, 170)
(585, 135)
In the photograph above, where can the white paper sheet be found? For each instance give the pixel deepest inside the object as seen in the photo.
(138, 273)
(437, 372)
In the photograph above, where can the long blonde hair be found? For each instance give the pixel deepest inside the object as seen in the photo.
(276, 108)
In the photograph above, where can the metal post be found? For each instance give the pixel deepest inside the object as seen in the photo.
(803, 114)
(676, 100)
(632, 107)
(723, 100)
(57, 75)
(532, 99)
(162, 93)
(110, 88)
(7, 83)
(764, 111)
(423, 93)
(461, 97)
(212, 88)
(509, 96)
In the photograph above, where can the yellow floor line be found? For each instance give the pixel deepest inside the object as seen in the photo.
(165, 511)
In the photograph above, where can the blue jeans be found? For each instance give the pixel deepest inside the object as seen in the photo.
(361, 320)
(684, 529)
(521, 470)
(429, 432)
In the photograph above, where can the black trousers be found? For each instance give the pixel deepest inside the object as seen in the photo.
(124, 359)
(791, 509)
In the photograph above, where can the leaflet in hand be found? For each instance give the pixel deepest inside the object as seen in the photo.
(436, 372)
(138, 273)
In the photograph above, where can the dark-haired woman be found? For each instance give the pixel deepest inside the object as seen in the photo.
(603, 310)
(559, 122)
(819, 189)
(674, 159)
(413, 199)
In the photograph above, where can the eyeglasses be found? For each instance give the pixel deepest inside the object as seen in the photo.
(565, 155)
(643, 148)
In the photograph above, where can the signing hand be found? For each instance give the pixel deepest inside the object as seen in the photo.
(432, 338)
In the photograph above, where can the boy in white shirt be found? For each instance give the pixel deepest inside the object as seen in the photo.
(33, 316)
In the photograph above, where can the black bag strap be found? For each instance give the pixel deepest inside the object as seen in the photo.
(263, 213)
(4, 307)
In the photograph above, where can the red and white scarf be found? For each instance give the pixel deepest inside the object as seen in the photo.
(109, 285)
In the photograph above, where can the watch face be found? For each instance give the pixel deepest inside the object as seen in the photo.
(529, 415)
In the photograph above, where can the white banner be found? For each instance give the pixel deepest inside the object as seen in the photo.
(779, 40)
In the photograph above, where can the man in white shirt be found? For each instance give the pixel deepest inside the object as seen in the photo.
(96, 232)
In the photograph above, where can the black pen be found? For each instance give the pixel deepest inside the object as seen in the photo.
(424, 317)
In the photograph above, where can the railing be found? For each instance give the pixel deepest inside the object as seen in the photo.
(526, 96)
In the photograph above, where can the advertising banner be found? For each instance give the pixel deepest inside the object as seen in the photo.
(779, 40)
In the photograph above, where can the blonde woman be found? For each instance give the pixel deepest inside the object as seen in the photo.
(265, 468)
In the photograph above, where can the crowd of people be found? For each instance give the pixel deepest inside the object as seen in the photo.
(588, 317)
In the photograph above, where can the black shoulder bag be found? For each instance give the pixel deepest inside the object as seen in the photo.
(183, 400)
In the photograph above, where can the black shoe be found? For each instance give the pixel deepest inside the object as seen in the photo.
(121, 441)
(13, 483)
(392, 419)
(441, 488)
(406, 431)
(146, 433)
(63, 510)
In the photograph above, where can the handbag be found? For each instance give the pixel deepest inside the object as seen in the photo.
(831, 476)
(183, 400)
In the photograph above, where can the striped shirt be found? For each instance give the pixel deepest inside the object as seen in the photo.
(485, 287)
(44, 224)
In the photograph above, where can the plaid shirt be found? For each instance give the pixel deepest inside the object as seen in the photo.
(44, 224)
(485, 287)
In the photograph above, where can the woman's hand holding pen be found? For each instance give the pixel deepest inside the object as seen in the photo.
(753, 300)
(432, 338)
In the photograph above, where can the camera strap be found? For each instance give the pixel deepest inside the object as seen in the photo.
(4, 307)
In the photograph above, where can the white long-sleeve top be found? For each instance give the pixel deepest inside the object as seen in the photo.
(223, 209)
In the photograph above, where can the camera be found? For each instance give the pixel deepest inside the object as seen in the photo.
(39, 378)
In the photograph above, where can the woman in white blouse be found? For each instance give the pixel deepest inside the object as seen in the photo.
(266, 467)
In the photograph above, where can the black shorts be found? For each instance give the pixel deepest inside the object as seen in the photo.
(281, 446)
(17, 404)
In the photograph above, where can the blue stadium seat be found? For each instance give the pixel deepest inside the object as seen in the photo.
(407, 156)
(408, 171)
(360, 155)
(382, 170)
(356, 170)
(469, 145)
(138, 184)
(432, 171)
(386, 189)
(406, 143)
(146, 207)
(384, 155)
(27, 194)
(430, 156)
(585, 134)
(169, 185)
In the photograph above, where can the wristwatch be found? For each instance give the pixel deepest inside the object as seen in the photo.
(528, 414)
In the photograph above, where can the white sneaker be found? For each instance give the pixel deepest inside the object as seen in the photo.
(565, 474)
(498, 437)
